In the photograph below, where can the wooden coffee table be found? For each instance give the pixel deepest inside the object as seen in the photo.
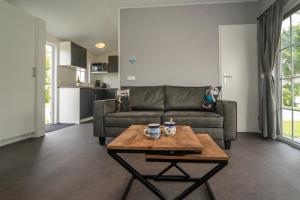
(183, 147)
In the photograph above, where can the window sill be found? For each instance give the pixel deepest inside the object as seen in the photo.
(289, 142)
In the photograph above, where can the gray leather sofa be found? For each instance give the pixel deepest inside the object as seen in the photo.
(157, 104)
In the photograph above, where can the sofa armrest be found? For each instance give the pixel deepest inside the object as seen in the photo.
(228, 109)
(101, 108)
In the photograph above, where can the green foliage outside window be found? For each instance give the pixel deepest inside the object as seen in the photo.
(287, 95)
(47, 78)
(287, 55)
(290, 69)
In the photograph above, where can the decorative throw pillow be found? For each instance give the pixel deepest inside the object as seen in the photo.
(123, 104)
(210, 99)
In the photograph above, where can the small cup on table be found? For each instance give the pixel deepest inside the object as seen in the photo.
(170, 128)
(153, 131)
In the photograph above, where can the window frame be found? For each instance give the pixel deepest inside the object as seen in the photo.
(81, 72)
(290, 78)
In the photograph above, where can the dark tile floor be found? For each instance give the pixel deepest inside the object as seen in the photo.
(69, 164)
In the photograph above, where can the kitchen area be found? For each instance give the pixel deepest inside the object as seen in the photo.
(83, 78)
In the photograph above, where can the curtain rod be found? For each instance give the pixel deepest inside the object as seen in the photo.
(293, 10)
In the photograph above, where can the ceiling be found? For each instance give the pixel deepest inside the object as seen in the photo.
(87, 22)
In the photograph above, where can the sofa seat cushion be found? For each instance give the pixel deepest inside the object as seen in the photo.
(195, 119)
(125, 119)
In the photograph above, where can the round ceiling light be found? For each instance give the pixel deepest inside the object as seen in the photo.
(100, 45)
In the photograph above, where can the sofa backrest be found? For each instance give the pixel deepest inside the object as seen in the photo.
(165, 98)
(146, 97)
(184, 98)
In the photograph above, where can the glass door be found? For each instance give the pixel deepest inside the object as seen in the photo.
(49, 84)
(290, 77)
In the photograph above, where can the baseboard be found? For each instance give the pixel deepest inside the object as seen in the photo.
(248, 131)
(16, 139)
(86, 119)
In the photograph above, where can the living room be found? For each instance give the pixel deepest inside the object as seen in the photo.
(164, 99)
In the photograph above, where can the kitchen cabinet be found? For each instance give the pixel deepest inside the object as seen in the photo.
(113, 64)
(71, 54)
(86, 103)
(87, 98)
(111, 94)
(76, 104)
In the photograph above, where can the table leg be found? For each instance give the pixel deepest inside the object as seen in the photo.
(202, 180)
(182, 171)
(125, 194)
(172, 164)
(137, 175)
(160, 177)
(165, 170)
(210, 192)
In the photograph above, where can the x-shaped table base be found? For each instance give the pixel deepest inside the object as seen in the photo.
(144, 179)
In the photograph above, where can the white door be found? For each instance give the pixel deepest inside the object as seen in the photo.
(17, 88)
(239, 72)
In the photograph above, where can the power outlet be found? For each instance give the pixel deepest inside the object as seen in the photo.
(130, 78)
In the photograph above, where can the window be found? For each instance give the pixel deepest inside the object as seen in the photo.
(290, 77)
(80, 74)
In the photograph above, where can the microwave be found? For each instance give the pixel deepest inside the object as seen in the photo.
(98, 67)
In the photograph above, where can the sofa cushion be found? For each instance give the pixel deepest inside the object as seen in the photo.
(210, 99)
(184, 98)
(195, 119)
(125, 119)
(123, 104)
(146, 97)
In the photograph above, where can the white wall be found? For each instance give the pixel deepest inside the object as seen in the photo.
(66, 76)
(52, 39)
(111, 79)
(21, 95)
(177, 45)
(40, 57)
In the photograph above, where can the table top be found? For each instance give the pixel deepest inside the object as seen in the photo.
(210, 151)
(133, 138)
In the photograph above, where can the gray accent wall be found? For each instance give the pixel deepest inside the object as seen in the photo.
(176, 45)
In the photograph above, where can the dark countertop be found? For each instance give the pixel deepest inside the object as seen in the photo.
(86, 87)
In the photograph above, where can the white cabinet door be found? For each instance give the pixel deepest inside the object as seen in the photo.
(238, 72)
(17, 85)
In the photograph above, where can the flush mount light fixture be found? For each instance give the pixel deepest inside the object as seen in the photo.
(100, 45)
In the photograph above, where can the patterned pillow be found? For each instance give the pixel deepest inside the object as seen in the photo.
(210, 99)
(123, 104)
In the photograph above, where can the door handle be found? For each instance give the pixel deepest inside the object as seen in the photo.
(227, 76)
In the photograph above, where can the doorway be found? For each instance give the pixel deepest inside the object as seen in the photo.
(50, 86)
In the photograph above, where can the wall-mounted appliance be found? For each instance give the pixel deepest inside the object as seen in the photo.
(99, 68)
